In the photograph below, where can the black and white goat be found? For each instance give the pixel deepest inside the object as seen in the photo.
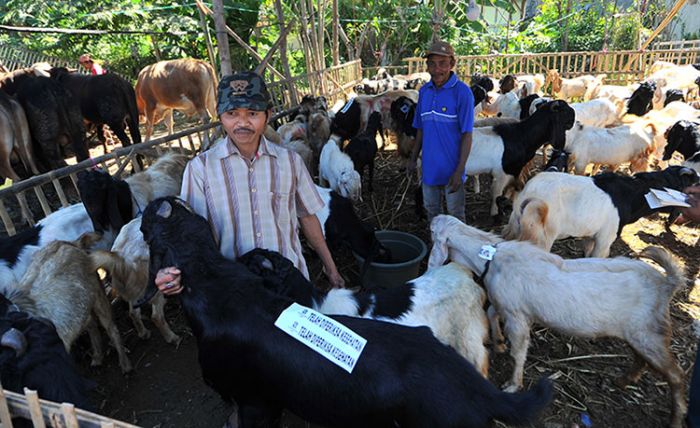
(555, 205)
(341, 224)
(111, 202)
(33, 356)
(504, 150)
(362, 148)
(403, 376)
(684, 137)
(446, 299)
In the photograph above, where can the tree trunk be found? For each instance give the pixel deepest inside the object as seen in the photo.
(335, 24)
(222, 37)
(294, 97)
(565, 35)
(438, 14)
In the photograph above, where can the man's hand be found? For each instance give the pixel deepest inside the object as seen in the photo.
(335, 279)
(455, 182)
(693, 212)
(168, 281)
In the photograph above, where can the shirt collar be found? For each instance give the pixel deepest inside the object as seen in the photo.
(450, 82)
(226, 148)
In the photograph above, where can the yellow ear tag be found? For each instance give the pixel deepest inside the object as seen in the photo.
(444, 109)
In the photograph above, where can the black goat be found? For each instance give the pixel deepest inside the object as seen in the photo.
(33, 356)
(674, 95)
(640, 102)
(683, 137)
(107, 200)
(404, 376)
(106, 99)
(362, 148)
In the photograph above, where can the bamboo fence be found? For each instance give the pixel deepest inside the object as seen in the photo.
(45, 413)
(116, 162)
(677, 44)
(13, 58)
(621, 67)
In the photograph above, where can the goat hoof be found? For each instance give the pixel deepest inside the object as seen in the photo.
(126, 366)
(145, 334)
(509, 387)
(174, 340)
(500, 348)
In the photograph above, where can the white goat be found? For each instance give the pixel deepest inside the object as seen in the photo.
(600, 112)
(680, 77)
(530, 84)
(337, 171)
(61, 285)
(610, 146)
(504, 105)
(621, 297)
(127, 264)
(578, 87)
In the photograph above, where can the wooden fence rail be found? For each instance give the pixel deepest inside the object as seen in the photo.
(677, 44)
(115, 162)
(621, 67)
(44, 413)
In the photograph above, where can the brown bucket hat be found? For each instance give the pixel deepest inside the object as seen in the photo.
(440, 48)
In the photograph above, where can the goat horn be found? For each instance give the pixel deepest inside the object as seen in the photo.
(14, 339)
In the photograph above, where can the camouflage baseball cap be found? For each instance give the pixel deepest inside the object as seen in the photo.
(242, 90)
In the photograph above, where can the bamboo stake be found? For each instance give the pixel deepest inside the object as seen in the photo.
(207, 37)
(221, 37)
(294, 96)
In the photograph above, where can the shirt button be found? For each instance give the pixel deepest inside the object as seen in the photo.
(255, 212)
(250, 169)
(253, 190)
(258, 234)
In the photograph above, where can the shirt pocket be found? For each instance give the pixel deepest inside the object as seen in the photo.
(281, 208)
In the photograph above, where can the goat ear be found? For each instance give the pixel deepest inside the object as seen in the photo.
(14, 339)
(164, 210)
(438, 254)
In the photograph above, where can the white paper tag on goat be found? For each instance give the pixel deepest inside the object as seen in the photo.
(487, 251)
(324, 335)
(347, 105)
(666, 198)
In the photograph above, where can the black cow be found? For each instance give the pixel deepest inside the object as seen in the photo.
(54, 118)
(106, 99)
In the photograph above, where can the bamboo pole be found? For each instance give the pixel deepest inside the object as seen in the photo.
(335, 23)
(222, 38)
(207, 37)
(294, 96)
(667, 20)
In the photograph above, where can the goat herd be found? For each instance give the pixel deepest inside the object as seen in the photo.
(407, 375)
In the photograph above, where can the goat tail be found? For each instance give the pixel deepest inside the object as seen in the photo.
(522, 408)
(533, 220)
(675, 276)
(112, 263)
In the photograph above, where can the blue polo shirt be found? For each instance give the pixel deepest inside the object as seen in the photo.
(444, 114)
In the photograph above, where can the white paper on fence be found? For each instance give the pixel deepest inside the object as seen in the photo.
(326, 336)
(660, 198)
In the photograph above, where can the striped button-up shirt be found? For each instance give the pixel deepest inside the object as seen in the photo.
(252, 203)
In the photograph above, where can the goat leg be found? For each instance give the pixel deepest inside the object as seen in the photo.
(158, 318)
(95, 342)
(103, 311)
(135, 315)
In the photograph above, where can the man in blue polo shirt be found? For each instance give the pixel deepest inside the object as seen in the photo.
(444, 119)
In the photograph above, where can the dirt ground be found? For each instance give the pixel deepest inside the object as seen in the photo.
(166, 389)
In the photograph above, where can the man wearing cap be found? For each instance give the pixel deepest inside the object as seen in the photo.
(86, 61)
(255, 194)
(444, 120)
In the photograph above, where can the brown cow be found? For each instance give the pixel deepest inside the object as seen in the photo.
(183, 84)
